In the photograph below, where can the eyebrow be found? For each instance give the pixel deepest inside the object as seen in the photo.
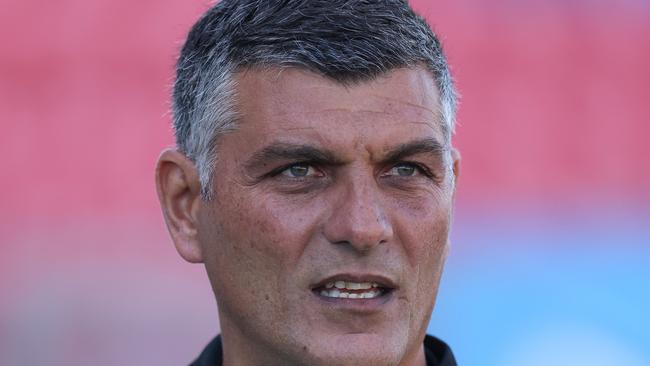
(424, 146)
(308, 153)
(285, 151)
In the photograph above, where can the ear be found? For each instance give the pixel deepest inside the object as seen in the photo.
(455, 157)
(179, 192)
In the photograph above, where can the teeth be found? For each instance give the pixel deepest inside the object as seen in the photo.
(336, 293)
(339, 289)
(352, 285)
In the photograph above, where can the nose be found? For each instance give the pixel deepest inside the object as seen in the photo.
(358, 217)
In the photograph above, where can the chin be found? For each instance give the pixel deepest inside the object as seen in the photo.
(360, 358)
(360, 349)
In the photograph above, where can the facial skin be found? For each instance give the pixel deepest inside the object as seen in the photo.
(321, 182)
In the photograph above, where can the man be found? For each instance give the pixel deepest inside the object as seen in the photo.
(314, 178)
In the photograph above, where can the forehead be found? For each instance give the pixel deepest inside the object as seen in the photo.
(295, 104)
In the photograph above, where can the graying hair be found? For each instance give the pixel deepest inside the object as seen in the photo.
(349, 41)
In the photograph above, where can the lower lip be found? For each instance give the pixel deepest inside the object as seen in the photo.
(372, 304)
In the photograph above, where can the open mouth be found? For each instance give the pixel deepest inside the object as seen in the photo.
(341, 289)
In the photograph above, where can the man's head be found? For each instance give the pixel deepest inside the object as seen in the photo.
(314, 161)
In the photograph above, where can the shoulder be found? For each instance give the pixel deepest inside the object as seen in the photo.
(212, 354)
(438, 352)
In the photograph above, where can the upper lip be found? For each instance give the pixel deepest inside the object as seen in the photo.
(381, 280)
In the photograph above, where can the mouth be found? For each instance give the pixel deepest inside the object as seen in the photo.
(357, 288)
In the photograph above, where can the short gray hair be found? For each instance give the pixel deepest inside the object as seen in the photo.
(349, 41)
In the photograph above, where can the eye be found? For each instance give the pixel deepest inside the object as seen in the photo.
(404, 170)
(300, 170)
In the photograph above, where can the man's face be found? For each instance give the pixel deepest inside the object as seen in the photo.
(323, 186)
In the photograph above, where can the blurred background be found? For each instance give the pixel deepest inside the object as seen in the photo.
(550, 263)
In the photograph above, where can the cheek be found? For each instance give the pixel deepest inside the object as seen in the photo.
(265, 229)
(290, 223)
(422, 227)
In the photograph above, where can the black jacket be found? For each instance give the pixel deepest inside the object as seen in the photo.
(436, 351)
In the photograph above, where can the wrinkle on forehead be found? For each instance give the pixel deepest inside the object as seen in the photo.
(436, 118)
(298, 100)
(420, 103)
(434, 113)
(424, 108)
